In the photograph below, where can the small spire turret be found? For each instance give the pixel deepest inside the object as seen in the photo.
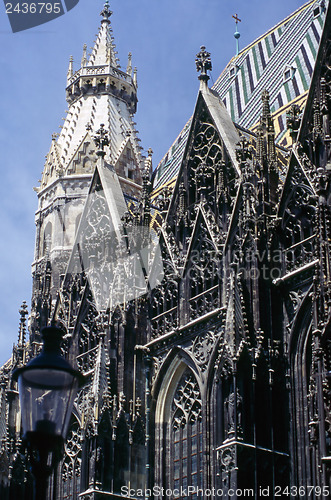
(145, 194)
(266, 153)
(268, 124)
(265, 106)
(71, 67)
(84, 57)
(149, 162)
(135, 80)
(22, 328)
(129, 66)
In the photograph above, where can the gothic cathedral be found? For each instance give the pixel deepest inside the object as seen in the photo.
(195, 297)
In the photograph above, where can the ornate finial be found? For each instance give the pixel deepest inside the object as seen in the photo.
(101, 140)
(138, 406)
(55, 135)
(88, 126)
(129, 66)
(203, 63)
(265, 106)
(148, 164)
(135, 81)
(84, 58)
(106, 13)
(237, 34)
(71, 67)
(23, 313)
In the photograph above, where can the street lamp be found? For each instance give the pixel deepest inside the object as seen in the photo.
(47, 389)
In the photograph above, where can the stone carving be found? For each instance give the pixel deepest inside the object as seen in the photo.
(203, 61)
(232, 413)
(202, 349)
(227, 458)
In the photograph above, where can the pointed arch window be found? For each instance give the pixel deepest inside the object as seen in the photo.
(185, 436)
(202, 274)
(71, 465)
(47, 239)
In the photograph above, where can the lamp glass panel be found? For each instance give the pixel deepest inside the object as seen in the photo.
(46, 398)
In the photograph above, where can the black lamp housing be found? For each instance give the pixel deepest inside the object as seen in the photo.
(47, 389)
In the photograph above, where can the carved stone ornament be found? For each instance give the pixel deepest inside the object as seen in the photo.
(227, 458)
(202, 349)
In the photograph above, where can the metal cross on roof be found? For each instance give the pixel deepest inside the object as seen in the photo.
(236, 18)
(203, 62)
(101, 140)
(237, 34)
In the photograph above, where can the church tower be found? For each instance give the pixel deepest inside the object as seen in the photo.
(99, 95)
(196, 300)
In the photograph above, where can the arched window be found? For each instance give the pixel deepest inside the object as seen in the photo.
(47, 239)
(185, 435)
(71, 465)
(201, 273)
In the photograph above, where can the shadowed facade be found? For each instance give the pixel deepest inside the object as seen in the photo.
(196, 298)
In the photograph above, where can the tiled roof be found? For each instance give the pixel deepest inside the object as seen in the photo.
(281, 61)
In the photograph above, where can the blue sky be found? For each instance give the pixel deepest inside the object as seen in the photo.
(163, 36)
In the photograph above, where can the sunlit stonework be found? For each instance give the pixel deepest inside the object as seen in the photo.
(196, 299)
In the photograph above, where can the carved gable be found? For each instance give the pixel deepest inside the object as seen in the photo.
(209, 168)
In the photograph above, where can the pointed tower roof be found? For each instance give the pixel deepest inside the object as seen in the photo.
(98, 93)
(104, 50)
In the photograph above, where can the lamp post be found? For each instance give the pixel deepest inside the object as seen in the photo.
(47, 389)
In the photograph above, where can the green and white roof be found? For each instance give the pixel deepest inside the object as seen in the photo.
(281, 61)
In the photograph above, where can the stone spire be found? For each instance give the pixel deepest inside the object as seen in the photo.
(19, 350)
(266, 151)
(104, 49)
(129, 66)
(70, 68)
(135, 79)
(84, 57)
(267, 124)
(22, 328)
